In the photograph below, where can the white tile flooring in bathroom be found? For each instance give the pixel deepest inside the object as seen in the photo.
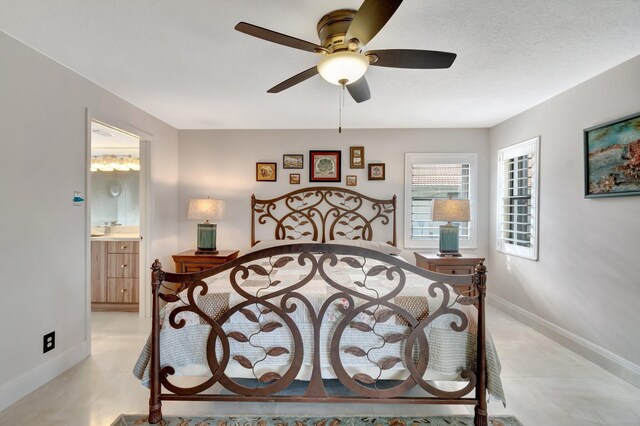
(545, 384)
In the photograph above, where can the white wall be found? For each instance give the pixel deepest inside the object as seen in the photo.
(587, 280)
(43, 239)
(221, 164)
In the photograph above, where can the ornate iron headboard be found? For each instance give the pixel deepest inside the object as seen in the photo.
(324, 213)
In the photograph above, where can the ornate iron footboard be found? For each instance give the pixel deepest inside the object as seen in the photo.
(320, 260)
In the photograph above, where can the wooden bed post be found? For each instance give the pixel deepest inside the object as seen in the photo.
(155, 406)
(480, 281)
(253, 220)
(395, 200)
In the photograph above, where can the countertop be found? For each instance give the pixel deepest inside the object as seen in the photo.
(116, 237)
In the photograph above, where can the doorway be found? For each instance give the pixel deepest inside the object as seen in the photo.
(118, 175)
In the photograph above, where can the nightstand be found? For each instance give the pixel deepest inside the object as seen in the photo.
(462, 265)
(189, 261)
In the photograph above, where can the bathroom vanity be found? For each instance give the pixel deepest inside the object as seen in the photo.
(114, 273)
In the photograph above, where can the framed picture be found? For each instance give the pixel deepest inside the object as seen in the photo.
(352, 180)
(356, 157)
(324, 166)
(376, 171)
(266, 172)
(612, 158)
(294, 178)
(293, 161)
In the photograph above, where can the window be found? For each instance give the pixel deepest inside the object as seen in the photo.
(431, 176)
(517, 221)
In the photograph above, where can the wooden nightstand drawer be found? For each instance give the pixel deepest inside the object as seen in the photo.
(188, 261)
(462, 265)
(186, 268)
(448, 264)
(455, 270)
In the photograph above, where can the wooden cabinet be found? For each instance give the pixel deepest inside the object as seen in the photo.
(114, 275)
(189, 261)
(462, 265)
(122, 265)
(98, 272)
(123, 247)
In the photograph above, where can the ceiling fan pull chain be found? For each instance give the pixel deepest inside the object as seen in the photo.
(342, 97)
(340, 104)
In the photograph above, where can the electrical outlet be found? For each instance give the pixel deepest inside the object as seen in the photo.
(48, 342)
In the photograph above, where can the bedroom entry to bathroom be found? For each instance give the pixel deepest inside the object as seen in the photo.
(115, 193)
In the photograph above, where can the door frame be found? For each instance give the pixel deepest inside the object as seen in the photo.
(146, 200)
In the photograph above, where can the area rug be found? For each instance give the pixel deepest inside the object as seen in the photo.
(140, 419)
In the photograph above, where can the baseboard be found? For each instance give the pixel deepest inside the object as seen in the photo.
(23, 385)
(615, 364)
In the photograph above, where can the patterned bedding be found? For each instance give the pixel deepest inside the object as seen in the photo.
(261, 343)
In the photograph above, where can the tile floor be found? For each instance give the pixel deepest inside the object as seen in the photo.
(545, 384)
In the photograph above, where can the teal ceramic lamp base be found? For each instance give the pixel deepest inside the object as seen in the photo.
(449, 245)
(206, 238)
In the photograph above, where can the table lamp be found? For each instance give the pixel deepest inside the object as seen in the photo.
(450, 210)
(205, 209)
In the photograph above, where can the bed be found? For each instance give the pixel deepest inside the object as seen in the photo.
(321, 297)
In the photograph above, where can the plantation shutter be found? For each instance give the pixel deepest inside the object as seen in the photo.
(517, 208)
(516, 202)
(431, 181)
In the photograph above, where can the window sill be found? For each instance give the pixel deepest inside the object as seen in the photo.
(436, 247)
(521, 256)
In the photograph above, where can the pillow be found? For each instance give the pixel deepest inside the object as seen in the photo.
(371, 245)
(273, 243)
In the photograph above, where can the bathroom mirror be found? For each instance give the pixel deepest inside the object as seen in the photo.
(115, 177)
(115, 197)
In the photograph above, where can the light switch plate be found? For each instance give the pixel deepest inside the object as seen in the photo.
(77, 198)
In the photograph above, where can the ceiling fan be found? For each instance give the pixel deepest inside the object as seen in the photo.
(343, 35)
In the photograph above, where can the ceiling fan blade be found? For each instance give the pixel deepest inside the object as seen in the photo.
(298, 78)
(409, 58)
(371, 17)
(359, 90)
(278, 38)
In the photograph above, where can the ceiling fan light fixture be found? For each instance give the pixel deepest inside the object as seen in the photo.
(340, 66)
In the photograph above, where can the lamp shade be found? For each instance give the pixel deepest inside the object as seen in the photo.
(343, 67)
(450, 210)
(205, 209)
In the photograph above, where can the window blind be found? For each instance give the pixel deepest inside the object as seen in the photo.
(431, 181)
(517, 199)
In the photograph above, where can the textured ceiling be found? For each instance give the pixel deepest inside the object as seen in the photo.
(183, 62)
(108, 141)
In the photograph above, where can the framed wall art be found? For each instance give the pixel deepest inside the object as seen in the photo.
(294, 178)
(612, 158)
(293, 161)
(352, 180)
(356, 157)
(324, 166)
(376, 171)
(266, 172)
